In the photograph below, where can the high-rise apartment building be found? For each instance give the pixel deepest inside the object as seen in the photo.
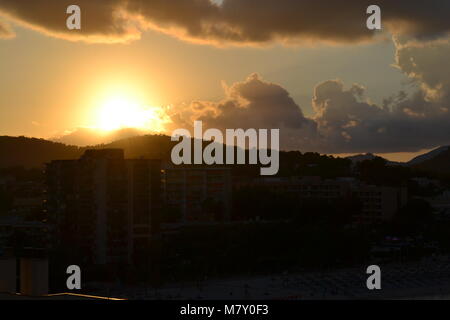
(198, 194)
(104, 207)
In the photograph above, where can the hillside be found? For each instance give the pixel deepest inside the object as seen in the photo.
(148, 146)
(370, 156)
(427, 156)
(32, 152)
(440, 163)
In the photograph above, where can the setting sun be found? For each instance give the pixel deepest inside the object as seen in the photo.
(120, 111)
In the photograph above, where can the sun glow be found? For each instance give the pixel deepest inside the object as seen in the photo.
(119, 111)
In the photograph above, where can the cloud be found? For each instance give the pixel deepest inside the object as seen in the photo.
(425, 62)
(232, 21)
(348, 122)
(344, 120)
(252, 103)
(6, 31)
(102, 20)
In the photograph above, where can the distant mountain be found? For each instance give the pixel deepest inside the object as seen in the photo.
(370, 156)
(361, 157)
(439, 163)
(90, 137)
(427, 156)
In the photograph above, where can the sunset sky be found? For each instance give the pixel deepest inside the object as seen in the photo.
(310, 68)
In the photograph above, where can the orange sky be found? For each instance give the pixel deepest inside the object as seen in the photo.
(50, 86)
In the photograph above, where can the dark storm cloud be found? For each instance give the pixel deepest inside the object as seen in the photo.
(102, 20)
(234, 21)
